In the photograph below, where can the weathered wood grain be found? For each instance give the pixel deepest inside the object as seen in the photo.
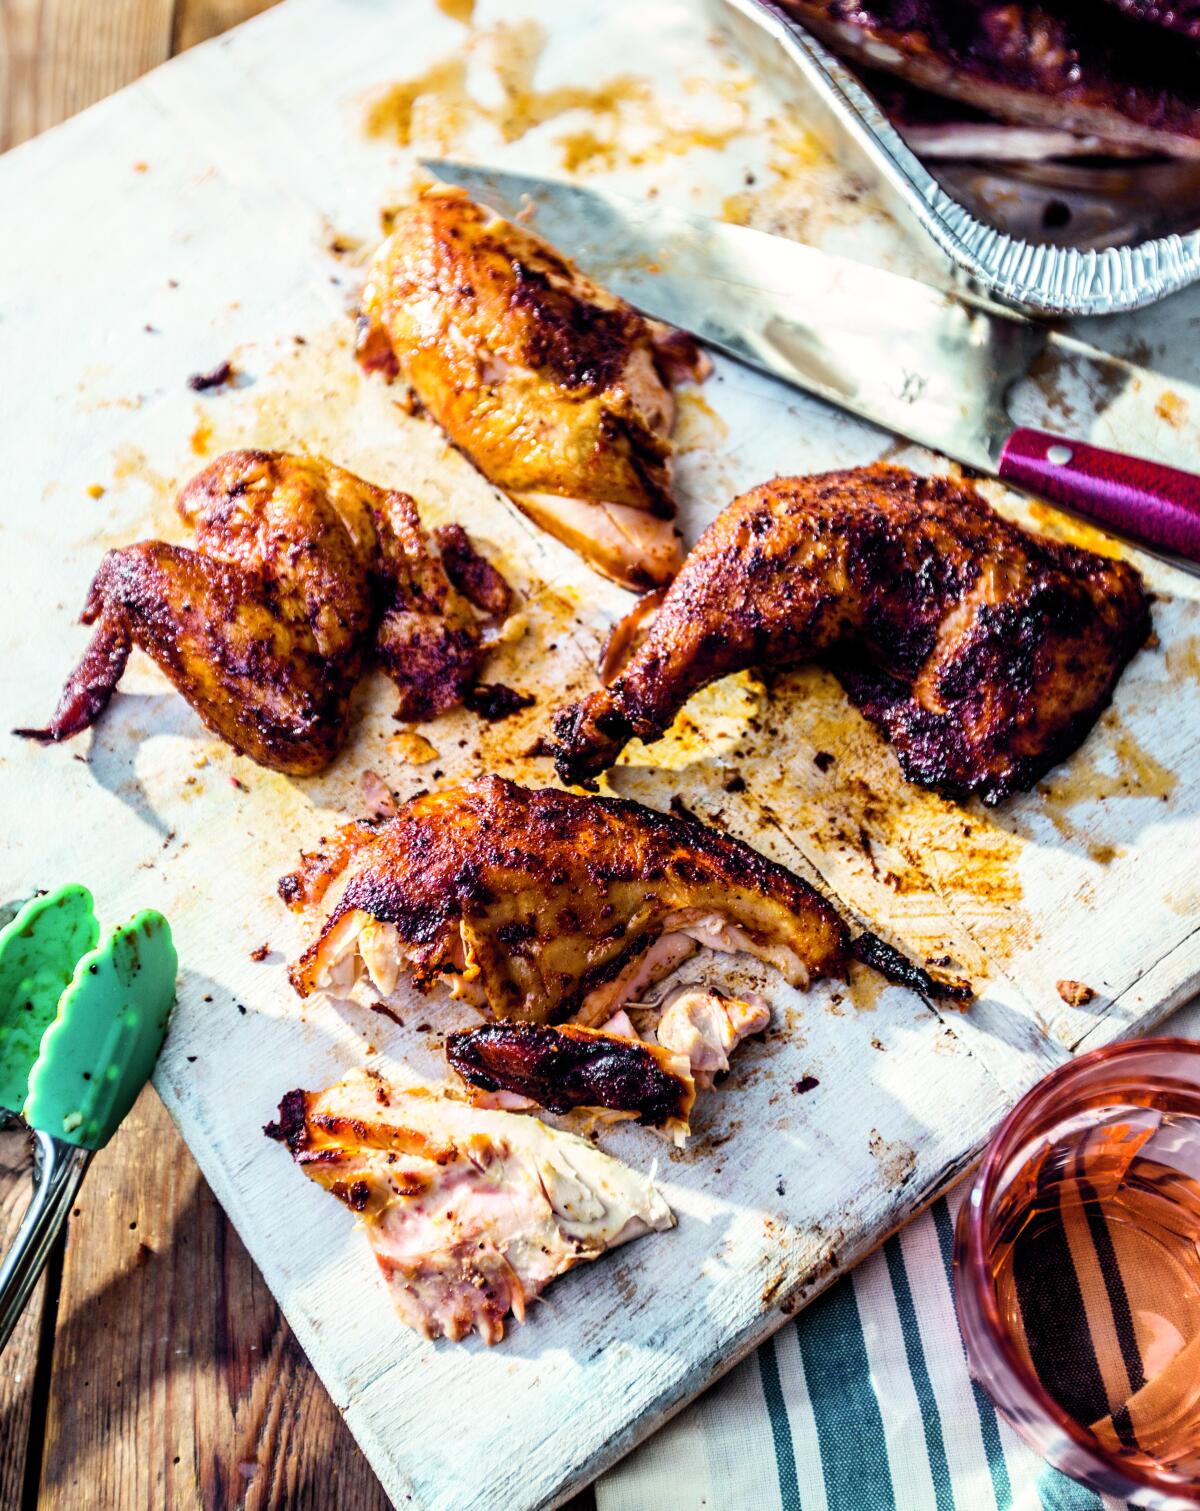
(175, 1380)
(275, 1438)
(17, 1414)
(61, 55)
(197, 20)
(250, 164)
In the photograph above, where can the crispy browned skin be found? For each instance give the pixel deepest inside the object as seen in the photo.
(558, 391)
(567, 1067)
(299, 570)
(1070, 63)
(531, 899)
(982, 652)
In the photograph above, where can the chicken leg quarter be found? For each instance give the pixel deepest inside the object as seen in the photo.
(983, 653)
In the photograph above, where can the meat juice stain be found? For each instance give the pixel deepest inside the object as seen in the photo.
(1095, 1263)
(1082, 779)
(436, 108)
(1072, 531)
(698, 426)
(1183, 660)
(865, 987)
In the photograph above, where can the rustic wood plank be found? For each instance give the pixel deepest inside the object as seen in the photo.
(57, 57)
(20, 1357)
(62, 55)
(905, 1116)
(175, 1379)
(197, 20)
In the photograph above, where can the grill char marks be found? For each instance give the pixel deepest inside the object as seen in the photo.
(532, 898)
(982, 652)
(568, 1067)
(1071, 64)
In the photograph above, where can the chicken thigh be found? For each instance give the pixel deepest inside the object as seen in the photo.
(983, 653)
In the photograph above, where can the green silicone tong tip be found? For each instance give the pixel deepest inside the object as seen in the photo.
(82, 1020)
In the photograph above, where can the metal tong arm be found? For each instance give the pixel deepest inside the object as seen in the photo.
(60, 1169)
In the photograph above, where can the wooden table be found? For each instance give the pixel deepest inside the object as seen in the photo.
(152, 1367)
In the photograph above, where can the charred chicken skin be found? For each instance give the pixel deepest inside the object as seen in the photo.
(470, 1213)
(1069, 64)
(983, 653)
(653, 1076)
(300, 569)
(540, 905)
(559, 392)
(561, 1068)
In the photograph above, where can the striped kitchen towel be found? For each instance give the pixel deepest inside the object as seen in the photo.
(863, 1402)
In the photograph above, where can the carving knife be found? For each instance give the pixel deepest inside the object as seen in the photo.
(934, 367)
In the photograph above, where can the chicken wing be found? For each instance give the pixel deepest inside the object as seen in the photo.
(470, 1213)
(982, 652)
(299, 570)
(542, 904)
(559, 392)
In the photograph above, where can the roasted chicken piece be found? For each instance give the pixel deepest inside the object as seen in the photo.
(470, 1213)
(613, 1069)
(299, 570)
(1069, 64)
(559, 392)
(542, 904)
(705, 1026)
(569, 1066)
(982, 652)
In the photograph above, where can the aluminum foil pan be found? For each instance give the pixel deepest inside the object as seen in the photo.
(985, 219)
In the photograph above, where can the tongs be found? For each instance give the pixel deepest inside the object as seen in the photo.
(81, 1025)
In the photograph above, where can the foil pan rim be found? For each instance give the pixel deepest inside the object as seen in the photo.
(1033, 277)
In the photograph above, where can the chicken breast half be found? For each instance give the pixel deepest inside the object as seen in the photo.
(558, 391)
(541, 904)
(470, 1213)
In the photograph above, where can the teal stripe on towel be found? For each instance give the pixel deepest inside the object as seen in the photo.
(1058, 1493)
(781, 1431)
(914, 1349)
(854, 1458)
(989, 1428)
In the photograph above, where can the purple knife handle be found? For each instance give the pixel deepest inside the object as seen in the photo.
(1157, 505)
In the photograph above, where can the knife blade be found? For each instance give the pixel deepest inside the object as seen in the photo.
(935, 367)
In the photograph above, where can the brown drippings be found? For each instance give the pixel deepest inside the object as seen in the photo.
(412, 747)
(866, 985)
(202, 437)
(1171, 408)
(1083, 780)
(1183, 660)
(437, 109)
(698, 426)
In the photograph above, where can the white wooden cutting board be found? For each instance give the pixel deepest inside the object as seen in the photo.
(217, 210)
